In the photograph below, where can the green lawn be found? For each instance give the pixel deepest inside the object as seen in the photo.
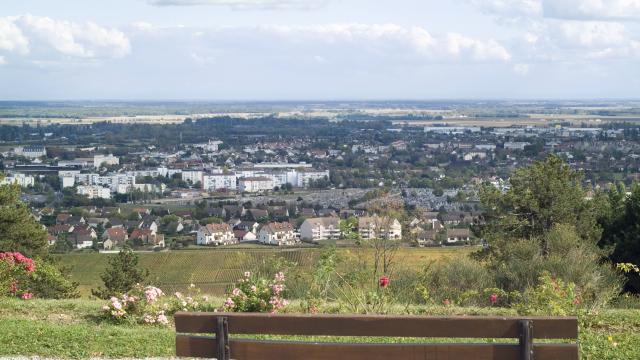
(70, 329)
(213, 270)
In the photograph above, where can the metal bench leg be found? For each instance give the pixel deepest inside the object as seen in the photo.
(526, 339)
(222, 337)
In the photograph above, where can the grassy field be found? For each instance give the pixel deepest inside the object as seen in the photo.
(214, 270)
(71, 329)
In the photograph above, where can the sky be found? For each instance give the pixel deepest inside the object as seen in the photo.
(245, 50)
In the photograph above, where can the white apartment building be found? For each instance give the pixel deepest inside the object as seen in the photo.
(31, 151)
(94, 191)
(379, 227)
(276, 233)
(100, 160)
(219, 181)
(21, 180)
(215, 234)
(318, 229)
(255, 184)
(193, 176)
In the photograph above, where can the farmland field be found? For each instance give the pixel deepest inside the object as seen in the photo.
(214, 270)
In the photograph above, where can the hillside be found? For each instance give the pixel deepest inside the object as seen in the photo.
(213, 270)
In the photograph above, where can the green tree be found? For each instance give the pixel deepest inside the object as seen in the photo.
(542, 195)
(622, 230)
(19, 231)
(122, 274)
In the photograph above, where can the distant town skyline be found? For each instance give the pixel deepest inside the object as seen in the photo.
(248, 50)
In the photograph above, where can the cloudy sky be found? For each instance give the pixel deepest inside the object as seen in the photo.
(319, 49)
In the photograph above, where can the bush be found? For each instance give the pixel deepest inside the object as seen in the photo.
(551, 297)
(49, 282)
(16, 274)
(257, 294)
(460, 281)
(149, 305)
(121, 276)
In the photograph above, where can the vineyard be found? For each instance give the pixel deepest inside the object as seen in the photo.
(214, 271)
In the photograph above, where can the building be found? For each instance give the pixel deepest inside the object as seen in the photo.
(31, 151)
(515, 145)
(101, 160)
(255, 184)
(458, 235)
(276, 233)
(215, 234)
(21, 180)
(193, 176)
(373, 227)
(318, 229)
(219, 182)
(94, 191)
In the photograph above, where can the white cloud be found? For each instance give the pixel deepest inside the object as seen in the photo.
(3, 61)
(593, 33)
(46, 40)
(246, 4)
(462, 46)
(11, 38)
(592, 9)
(509, 7)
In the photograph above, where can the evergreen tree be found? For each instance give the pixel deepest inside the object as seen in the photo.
(122, 274)
(19, 231)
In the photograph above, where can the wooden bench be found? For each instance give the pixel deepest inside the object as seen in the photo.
(224, 348)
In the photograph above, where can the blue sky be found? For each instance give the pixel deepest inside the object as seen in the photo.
(319, 49)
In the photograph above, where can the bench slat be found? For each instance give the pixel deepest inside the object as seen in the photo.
(367, 325)
(241, 349)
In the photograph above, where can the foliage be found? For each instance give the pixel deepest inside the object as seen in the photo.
(622, 230)
(541, 196)
(257, 294)
(150, 306)
(551, 297)
(19, 231)
(16, 273)
(51, 282)
(121, 276)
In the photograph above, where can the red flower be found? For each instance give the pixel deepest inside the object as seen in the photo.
(576, 301)
(14, 288)
(493, 298)
(446, 302)
(27, 295)
(384, 282)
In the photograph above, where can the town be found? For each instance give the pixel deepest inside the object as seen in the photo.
(273, 181)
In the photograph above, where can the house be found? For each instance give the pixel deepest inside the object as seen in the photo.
(318, 229)
(215, 234)
(95, 222)
(148, 237)
(250, 226)
(244, 236)
(428, 238)
(308, 212)
(149, 225)
(277, 233)
(372, 227)
(116, 236)
(458, 235)
(63, 218)
(258, 214)
(60, 229)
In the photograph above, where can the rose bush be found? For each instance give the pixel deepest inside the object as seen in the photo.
(16, 273)
(256, 294)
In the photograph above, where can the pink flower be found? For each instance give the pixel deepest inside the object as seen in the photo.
(384, 282)
(247, 274)
(236, 292)
(26, 296)
(229, 303)
(493, 298)
(576, 301)
(446, 302)
(280, 277)
(162, 319)
(14, 288)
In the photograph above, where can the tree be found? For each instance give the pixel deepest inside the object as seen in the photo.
(622, 230)
(121, 275)
(541, 196)
(19, 231)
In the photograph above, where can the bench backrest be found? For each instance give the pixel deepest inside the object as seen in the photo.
(223, 348)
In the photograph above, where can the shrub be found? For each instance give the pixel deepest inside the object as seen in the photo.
(149, 305)
(257, 294)
(460, 280)
(16, 274)
(551, 297)
(121, 276)
(49, 282)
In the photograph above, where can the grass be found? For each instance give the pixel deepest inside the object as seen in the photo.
(213, 270)
(70, 329)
